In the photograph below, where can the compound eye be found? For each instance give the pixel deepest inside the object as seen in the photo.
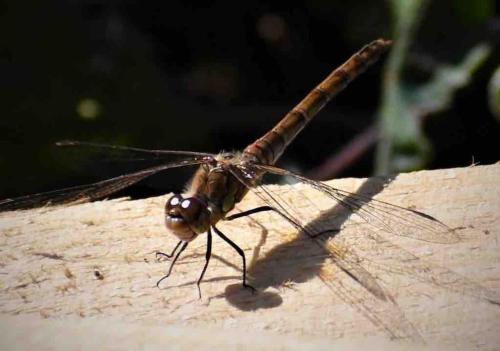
(191, 207)
(174, 201)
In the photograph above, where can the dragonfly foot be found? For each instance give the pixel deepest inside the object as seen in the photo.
(251, 288)
(159, 281)
(160, 255)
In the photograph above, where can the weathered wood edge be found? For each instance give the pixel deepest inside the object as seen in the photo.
(30, 276)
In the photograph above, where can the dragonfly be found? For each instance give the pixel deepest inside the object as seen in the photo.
(222, 180)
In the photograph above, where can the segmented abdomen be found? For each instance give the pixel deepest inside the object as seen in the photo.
(271, 146)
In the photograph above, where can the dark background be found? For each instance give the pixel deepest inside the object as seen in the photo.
(213, 75)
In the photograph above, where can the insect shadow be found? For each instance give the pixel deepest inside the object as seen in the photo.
(300, 259)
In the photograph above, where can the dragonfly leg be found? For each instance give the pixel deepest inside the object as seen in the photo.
(269, 208)
(250, 212)
(208, 254)
(240, 252)
(172, 264)
(162, 254)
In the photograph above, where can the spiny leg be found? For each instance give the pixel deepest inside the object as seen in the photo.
(240, 252)
(250, 212)
(208, 254)
(158, 253)
(269, 208)
(172, 264)
(261, 209)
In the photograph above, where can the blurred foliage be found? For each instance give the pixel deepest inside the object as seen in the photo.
(216, 75)
(403, 146)
(401, 141)
(474, 10)
(437, 94)
(494, 93)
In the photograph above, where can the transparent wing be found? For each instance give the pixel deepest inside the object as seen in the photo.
(386, 315)
(386, 256)
(346, 278)
(90, 192)
(383, 254)
(107, 152)
(291, 212)
(391, 218)
(361, 250)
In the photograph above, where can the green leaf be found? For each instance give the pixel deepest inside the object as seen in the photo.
(494, 94)
(402, 145)
(398, 128)
(437, 94)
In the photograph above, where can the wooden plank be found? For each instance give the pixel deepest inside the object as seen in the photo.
(446, 294)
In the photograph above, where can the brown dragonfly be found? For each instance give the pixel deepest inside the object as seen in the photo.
(222, 180)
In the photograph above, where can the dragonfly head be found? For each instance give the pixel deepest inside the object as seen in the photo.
(186, 217)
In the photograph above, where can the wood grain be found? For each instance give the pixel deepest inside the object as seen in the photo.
(96, 262)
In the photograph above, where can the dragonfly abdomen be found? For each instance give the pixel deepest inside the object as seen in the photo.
(271, 146)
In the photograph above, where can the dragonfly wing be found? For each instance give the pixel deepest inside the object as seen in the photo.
(348, 262)
(361, 290)
(387, 256)
(89, 192)
(390, 218)
(106, 152)
(380, 253)
(386, 315)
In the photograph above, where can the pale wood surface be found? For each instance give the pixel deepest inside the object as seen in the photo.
(439, 292)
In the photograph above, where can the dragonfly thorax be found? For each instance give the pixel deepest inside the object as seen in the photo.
(187, 217)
